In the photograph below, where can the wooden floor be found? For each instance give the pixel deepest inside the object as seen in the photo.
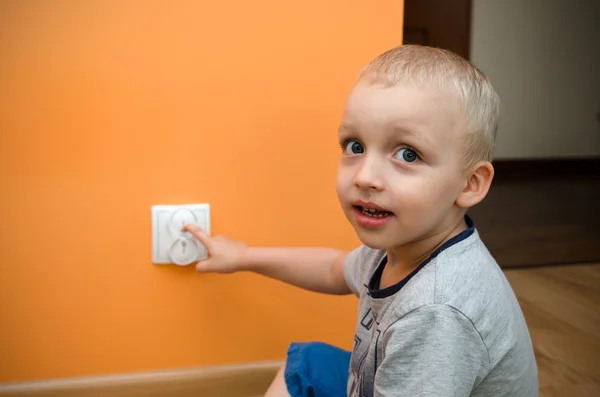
(562, 307)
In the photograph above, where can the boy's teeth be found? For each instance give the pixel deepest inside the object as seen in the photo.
(374, 213)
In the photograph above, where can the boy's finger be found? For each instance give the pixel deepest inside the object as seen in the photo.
(198, 233)
(203, 266)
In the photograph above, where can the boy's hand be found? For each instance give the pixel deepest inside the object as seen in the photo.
(224, 255)
(315, 269)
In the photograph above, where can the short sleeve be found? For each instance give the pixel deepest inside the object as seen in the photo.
(352, 269)
(432, 351)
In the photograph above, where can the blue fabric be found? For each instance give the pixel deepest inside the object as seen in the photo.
(316, 369)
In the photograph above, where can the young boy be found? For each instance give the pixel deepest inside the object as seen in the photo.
(436, 316)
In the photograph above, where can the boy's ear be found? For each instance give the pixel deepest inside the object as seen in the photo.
(479, 179)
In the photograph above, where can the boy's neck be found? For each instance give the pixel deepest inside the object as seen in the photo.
(406, 258)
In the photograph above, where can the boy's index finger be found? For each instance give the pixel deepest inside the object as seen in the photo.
(197, 232)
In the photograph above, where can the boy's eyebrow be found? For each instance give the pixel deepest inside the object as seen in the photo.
(404, 131)
(346, 128)
(409, 132)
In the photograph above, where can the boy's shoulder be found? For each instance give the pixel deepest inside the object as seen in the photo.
(464, 277)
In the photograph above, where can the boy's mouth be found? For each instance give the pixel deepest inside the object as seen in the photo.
(373, 212)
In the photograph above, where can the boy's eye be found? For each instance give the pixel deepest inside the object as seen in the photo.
(408, 155)
(354, 147)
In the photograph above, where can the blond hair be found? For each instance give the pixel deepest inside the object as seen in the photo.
(477, 97)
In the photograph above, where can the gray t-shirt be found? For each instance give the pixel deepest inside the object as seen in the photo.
(453, 327)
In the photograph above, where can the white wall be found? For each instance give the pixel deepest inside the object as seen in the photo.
(543, 57)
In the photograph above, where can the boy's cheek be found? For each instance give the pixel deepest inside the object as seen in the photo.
(422, 198)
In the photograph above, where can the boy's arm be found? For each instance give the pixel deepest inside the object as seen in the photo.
(432, 351)
(315, 269)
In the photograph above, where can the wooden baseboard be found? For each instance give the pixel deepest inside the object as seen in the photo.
(245, 380)
(537, 169)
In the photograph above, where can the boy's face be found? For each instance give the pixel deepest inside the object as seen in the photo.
(401, 170)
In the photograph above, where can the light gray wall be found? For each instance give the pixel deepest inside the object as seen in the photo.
(543, 57)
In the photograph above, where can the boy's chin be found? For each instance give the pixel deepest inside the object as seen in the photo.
(375, 240)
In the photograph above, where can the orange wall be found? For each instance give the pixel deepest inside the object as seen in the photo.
(109, 107)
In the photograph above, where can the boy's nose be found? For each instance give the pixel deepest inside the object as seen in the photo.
(369, 175)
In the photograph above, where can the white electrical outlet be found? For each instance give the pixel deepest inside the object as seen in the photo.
(169, 244)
